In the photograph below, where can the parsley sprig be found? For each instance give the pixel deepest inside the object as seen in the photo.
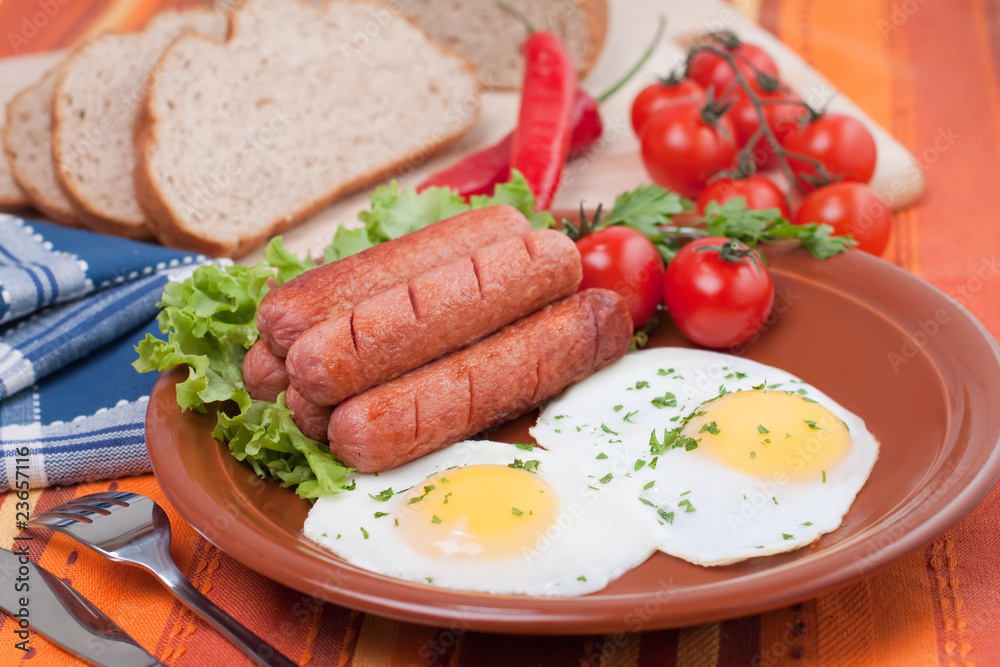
(651, 210)
(752, 227)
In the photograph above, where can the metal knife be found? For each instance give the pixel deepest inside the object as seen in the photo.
(36, 598)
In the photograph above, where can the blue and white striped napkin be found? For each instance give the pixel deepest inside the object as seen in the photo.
(72, 306)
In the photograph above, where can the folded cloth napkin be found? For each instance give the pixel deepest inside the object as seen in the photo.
(73, 304)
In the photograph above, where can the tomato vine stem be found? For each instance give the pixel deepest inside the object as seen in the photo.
(822, 177)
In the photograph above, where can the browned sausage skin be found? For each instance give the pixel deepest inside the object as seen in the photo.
(497, 379)
(264, 373)
(311, 419)
(288, 310)
(433, 314)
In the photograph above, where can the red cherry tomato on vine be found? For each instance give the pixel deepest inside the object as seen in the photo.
(655, 96)
(708, 69)
(683, 146)
(850, 208)
(718, 302)
(759, 192)
(842, 143)
(782, 119)
(623, 260)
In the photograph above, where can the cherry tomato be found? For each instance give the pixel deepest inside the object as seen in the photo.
(623, 260)
(781, 118)
(708, 69)
(759, 192)
(663, 93)
(718, 299)
(850, 208)
(842, 143)
(683, 146)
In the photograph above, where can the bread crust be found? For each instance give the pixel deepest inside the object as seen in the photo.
(8, 204)
(33, 196)
(89, 215)
(19, 200)
(171, 230)
(596, 14)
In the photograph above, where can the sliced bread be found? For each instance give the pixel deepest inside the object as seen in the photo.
(27, 143)
(94, 106)
(491, 37)
(244, 139)
(11, 194)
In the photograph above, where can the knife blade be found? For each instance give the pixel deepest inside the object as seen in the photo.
(36, 598)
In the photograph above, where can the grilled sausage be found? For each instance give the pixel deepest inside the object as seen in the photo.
(264, 373)
(288, 310)
(311, 419)
(497, 379)
(437, 312)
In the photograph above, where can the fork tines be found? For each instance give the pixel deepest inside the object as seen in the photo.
(79, 509)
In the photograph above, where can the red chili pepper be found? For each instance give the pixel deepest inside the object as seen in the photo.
(541, 141)
(477, 174)
(480, 172)
(587, 124)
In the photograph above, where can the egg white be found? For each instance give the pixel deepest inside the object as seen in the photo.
(595, 537)
(728, 515)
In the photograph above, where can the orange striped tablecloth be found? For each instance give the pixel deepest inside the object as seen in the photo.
(929, 72)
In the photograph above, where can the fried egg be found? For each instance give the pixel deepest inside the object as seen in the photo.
(731, 459)
(487, 516)
(705, 456)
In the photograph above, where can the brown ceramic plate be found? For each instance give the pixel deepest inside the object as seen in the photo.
(915, 365)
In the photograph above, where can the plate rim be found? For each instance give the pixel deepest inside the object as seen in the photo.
(502, 613)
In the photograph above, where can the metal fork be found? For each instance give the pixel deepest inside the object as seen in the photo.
(131, 528)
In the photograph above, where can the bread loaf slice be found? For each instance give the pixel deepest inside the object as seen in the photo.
(491, 37)
(27, 143)
(11, 194)
(243, 139)
(94, 106)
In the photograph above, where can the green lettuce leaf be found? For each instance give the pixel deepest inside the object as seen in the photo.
(210, 323)
(395, 212)
(265, 436)
(516, 193)
(209, 320)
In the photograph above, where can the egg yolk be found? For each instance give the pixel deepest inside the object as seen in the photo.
(770, 433)
(484, 512)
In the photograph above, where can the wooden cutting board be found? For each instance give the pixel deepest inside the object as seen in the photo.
(615, 165)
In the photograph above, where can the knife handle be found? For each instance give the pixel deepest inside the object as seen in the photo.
(253, 646)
